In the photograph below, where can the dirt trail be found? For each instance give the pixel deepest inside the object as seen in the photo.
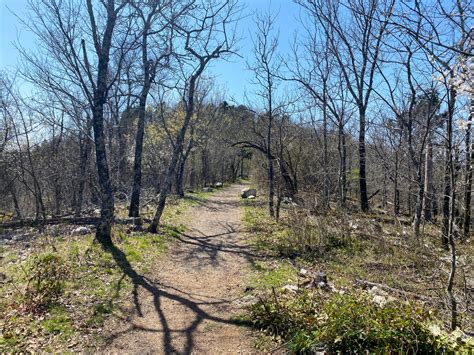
(188, 304)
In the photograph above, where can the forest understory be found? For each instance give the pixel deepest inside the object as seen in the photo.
(63, 293)
(209, 176)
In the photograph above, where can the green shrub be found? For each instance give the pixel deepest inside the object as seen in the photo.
(284, 316)
(349, 323)
(310, 236)
(355, 323)
(46, 276)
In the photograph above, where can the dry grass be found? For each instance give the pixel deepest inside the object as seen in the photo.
(374, 248)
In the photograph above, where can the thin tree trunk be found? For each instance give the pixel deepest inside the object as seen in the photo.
(419, 202)
(271, 187)
(15, 202)
(325, 156)
(204, 167)
(428, 195)
(181, 166)
(447, 175)
(134, 210)
(468, 178)
(85, 150)
(192, 174)
(57, 198)
(396, 191)
(450, 236)
(178, 147)
(180, 176)
(122, 152)
(341, 148)
(148, 73)
(364, 201)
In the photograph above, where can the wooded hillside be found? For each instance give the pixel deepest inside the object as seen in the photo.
(356, 136)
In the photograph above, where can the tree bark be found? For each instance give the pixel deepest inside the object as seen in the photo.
(15, 202)
(148, 73)
(419, 202)
(85, 149)
(396, 191)
(364, 201)
(429, 193)
(468, 178)
(104, 227)
(447, 174)
(341, 147)
(325, 153)
(181, 166)
(180, 176)
(134, 210)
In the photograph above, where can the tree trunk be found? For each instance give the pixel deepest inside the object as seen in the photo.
(148, 75)
(204, 167)
(341, 148)
(396, 191)
(271, 182)
(85, 150)
(325, 157)
(468, 178)
(57, 198)
(428, 199)
(15, 202)
(104, 227)
(448, 188)
(122, 153)
(181, 168)
(134, 210)
(450, 234)
(178, 147)
(364, 201)
(192, 174)
(180, 176)
(271, 187)
(165, 188)
(103, 231)
(278, 204)
(419, 202)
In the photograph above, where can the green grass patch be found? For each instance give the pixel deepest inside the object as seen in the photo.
(273, 274)
(79, 284)
(351, 323)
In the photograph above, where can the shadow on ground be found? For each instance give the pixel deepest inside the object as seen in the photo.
(159, 293)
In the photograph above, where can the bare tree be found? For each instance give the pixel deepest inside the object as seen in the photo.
(265, 68)
(205, 29)
(154, 24)
(356, 45)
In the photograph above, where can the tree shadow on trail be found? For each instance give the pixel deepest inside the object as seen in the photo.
(208, 249)
(158, 296)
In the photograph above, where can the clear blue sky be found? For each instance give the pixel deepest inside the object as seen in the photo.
(231, 75)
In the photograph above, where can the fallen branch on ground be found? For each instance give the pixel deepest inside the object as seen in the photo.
(366, 284)
(66, 220)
